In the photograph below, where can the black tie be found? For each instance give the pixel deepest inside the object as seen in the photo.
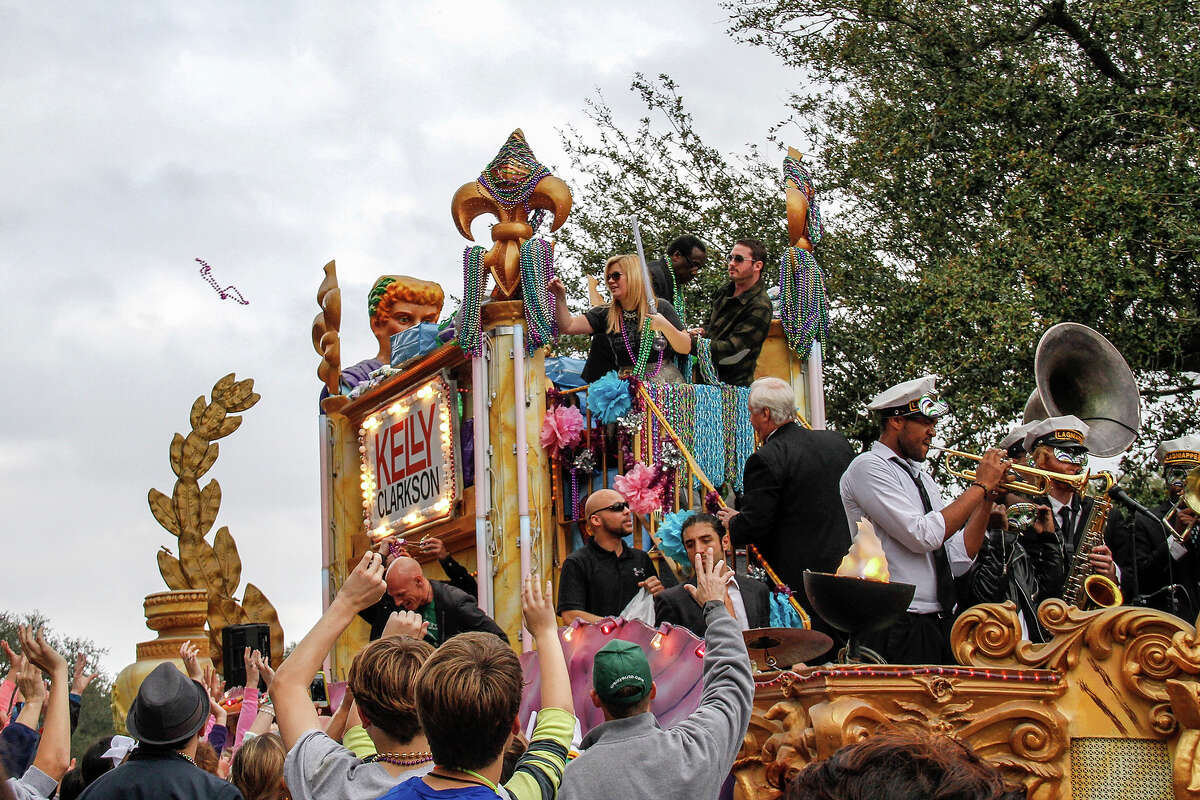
(1068, 530)
(941, 565)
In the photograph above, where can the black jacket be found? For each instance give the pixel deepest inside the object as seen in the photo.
(792, 510)
(455, 611)
(677, 607)
(1013, 567)
(1156, 569)
(157, 775)
(1122, 552)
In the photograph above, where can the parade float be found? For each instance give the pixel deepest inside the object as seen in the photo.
(456, 431)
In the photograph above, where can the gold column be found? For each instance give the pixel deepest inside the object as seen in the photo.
(499, 318)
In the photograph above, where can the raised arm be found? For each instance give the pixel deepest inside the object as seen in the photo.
(293, 708)
(54, 751)
(538, 610)
(568, 323)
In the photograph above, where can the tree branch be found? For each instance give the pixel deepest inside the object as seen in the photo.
(1092, 49)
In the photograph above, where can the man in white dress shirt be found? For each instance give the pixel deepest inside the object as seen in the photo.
(927, 543)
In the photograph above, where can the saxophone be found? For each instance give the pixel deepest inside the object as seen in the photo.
(1097, 590)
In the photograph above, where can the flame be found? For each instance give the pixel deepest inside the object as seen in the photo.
(866, 558)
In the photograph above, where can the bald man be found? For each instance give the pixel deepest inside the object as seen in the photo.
(448, 610)
(599, 579)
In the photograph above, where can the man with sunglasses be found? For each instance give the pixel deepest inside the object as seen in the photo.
(599, 579)
(1059, 444)
(928, 543)
(740, 317)
(685, 258)
(1168, 557)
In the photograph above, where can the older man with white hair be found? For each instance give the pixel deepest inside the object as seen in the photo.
(791, 509)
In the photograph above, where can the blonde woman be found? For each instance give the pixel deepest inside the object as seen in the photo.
(618, 329)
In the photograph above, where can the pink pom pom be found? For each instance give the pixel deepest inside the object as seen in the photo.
(561, 428)
(637, 486)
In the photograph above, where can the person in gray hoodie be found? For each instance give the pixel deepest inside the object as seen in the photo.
(629, 755)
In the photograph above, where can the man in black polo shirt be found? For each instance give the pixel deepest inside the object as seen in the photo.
(599, 579)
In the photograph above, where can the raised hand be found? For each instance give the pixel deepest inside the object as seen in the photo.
(80, 679)
(190, 654)
(251, 659)
(537, 608)
(365, 585)
(30, 683)
(264, 668)
(33, 644)
(405, 623)
(15, 660)
(710, 579)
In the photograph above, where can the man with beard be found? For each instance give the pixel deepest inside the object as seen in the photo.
(599, 579)
(927, 543)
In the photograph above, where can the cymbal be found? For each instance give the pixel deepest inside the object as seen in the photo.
(780, 648)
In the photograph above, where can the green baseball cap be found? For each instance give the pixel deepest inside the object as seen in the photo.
(618, 665)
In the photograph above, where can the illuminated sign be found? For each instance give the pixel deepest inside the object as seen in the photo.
(409, 449)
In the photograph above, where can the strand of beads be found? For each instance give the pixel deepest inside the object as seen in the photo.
(708, 370)
(795, 171)
(470, 330)
(709, 447)
(677, 298)
(729, 399)
(511, 193)
(645, 345)
(537, 268)
(744, 435)
(803, 303)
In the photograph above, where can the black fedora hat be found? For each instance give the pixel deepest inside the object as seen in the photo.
(169, 707)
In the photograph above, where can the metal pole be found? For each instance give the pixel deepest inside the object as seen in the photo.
(518, 344)
(816, 388)
(483, 500)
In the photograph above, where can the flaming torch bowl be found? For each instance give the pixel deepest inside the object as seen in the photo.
(856, 605)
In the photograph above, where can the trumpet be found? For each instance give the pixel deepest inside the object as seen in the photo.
(1037, 481)
(1189, 499)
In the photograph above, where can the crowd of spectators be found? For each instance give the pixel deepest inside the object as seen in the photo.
(433, 717)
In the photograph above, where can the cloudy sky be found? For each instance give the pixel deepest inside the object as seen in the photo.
(265, 139)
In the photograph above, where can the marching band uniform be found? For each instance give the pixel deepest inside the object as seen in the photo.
(1056, 443)
(1168, 570)
(904, 503)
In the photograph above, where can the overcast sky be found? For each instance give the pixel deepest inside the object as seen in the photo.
(265, 139)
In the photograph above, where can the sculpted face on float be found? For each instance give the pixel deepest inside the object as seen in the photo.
(399, 302)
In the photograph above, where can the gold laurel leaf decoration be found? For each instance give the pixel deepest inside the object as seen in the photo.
(210, 504)
(228, 426)
(210, 458)
(223, 610)
(259, 609)
(222, 386)
(240, 396)
(171, 571)
(176, 453)
(197, 409)
(164, 511)
(195, 449)
(200, 563)
(210, 421)
(228, 558)
(187, 507)
(214, 648)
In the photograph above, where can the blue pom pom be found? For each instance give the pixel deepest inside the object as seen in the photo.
(609, 398)
(670, 539)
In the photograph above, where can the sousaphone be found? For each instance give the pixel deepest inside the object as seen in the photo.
(1079, 372)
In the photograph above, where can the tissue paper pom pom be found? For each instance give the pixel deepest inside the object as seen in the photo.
(638, 487)
(670, 535)
(608, 397)
(561, 427)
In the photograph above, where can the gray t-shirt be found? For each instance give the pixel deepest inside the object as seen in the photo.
(317, 767)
